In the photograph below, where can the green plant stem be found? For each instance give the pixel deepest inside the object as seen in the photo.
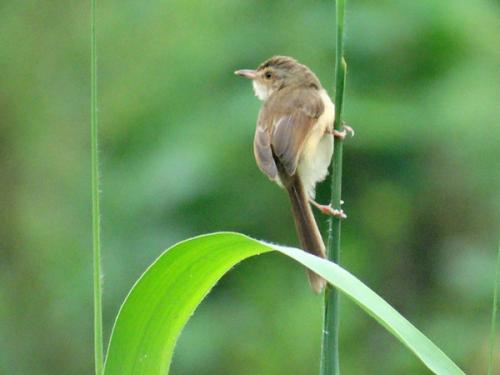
(330, 344)
(494, 315)
(96, 227)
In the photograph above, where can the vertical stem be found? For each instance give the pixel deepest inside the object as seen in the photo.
(96, 243)
(330, 344)
(494, 315)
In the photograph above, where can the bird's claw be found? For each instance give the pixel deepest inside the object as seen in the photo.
(342, 134)
(327, 209)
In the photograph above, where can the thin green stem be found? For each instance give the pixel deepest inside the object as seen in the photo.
(96, 226)
(330, 344)
(494, 315)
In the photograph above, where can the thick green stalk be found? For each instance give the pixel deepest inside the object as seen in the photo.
(330, 345)
(494, 315)
(96, 227)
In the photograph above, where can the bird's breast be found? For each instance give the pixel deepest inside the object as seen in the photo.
(318, 148)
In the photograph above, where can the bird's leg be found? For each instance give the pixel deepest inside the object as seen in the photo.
(346, 129)
(327, 209)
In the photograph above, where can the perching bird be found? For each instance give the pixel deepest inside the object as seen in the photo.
(293, 141)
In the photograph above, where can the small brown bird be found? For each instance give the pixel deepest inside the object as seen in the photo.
(293, 141)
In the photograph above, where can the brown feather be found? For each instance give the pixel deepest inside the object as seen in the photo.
(307, 230)
(284, 124)
(283, 127)
(263, 153)
(290, 145)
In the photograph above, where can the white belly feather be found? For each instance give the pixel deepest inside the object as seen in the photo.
(318, 149)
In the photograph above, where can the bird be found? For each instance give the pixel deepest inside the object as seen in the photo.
(293, 143)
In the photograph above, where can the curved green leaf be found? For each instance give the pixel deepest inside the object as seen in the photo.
(163, 299)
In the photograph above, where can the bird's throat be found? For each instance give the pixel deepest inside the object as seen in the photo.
(261, 91)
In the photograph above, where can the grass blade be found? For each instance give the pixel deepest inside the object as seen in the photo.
(330, 362)
(96, 226)
(163, 299)
(494, 315)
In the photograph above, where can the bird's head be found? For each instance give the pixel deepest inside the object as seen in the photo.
(277, 73)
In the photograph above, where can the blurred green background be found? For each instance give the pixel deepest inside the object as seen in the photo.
(421, 177)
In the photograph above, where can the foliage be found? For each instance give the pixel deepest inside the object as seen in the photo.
(176, 149)
(163, 299)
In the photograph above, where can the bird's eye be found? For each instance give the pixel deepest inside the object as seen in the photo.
(268, 74)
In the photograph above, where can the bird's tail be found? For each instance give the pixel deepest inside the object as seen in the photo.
(307, 229)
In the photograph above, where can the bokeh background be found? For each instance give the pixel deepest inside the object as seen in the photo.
(421, 177)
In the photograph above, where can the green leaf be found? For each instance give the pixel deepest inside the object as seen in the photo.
(161, 302)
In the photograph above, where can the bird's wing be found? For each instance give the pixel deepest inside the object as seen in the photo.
(263, 152)
(283, 127)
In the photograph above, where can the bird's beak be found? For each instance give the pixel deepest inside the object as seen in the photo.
(247, 73)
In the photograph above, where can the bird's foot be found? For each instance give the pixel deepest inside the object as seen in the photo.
(327, 209)
(342, 134)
